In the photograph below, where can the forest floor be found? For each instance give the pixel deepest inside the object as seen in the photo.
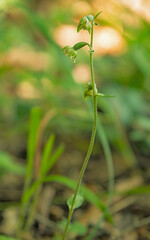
(130, 212)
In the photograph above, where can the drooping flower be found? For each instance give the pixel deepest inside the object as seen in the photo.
(70, 52)
(85, 23)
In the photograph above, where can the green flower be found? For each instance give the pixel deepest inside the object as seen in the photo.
(85, 23)
(71, 52)
(88, 91)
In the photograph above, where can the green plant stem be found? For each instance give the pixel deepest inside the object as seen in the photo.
(109, 161)
(91, 144)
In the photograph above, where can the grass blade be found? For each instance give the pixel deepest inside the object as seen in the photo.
(145, 189)
(46, 153)
(35, 117)
(54, 158)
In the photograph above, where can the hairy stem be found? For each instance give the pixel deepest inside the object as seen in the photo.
(91, 144)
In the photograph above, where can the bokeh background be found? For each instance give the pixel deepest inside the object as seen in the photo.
(34, 73)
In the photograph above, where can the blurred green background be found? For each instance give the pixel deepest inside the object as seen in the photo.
(33, 72)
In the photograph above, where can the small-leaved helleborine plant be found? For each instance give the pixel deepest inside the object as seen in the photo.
(86, 23)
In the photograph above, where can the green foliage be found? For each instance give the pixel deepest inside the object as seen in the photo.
(130, 70)
(32, 141)
(97, 15)
(79, 45)
(75, 227)
(53, 158)
(144, 189)
(87, 194)
(78, 201)
(2, 237)
(47, 162)
(8, 165)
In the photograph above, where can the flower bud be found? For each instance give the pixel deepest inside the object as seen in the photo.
(85, 24)
(88, 91)
(90, 18)
(71, 52)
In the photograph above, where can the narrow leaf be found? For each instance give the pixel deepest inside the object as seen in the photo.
(78, 201)
(97, 15)
(35, 117)
(47, 152)
(79, 45)
(145, 189)
(50, 163)
(104, 95)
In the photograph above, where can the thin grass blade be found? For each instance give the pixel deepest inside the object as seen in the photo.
(35, 117)
(46, 153)
(52, 160)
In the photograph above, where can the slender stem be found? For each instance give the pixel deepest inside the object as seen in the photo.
(109, 161)
(91, 144)
(92, 70)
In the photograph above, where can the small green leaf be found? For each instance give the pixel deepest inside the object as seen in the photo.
(78, 201)
(104, 95)
(79, 45)
(97, 15)
(96, 24)
(88, 195)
